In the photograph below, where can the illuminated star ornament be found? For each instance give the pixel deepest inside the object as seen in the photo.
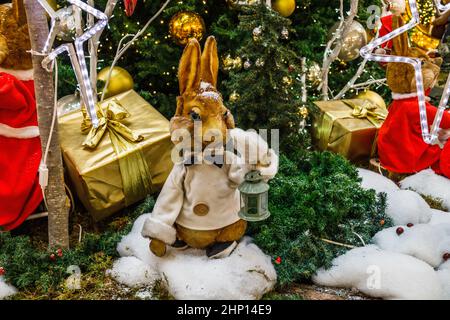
(79, 64)
(367, 52)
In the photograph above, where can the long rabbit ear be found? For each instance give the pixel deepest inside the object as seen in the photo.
(189, 68)
(400, 44)
(210, 61)
(19, 11)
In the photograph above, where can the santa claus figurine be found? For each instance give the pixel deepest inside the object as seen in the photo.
(401, 147)
(20, 148)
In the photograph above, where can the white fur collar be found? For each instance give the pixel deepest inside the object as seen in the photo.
(401, 96)
(23, 75)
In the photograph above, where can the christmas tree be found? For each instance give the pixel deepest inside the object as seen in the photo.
(266, 93)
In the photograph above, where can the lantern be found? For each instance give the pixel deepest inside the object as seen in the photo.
(254, 197)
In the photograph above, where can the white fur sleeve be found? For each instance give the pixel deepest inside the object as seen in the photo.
(167, 208)
(252, 149)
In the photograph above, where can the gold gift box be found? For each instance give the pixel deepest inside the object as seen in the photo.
(347, 127)
(95, 173)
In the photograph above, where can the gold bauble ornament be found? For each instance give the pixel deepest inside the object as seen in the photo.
(304, 112)
(234, 96)
(287, 81)
(121, 81)
(284, 7)
(68, 104)
(186, 25)
(314, 74)
(355, 39)
(372, 97)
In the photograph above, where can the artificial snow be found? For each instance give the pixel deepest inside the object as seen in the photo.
(406, 206)
(383, 274)
(428, 183)
(423, 241)
(408, 265)
(403, 206)
(444, 276)
(246, 274)
(439, 217)
(6, 290)
(375, 181)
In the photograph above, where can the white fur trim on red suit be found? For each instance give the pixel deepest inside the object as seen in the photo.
(401, 96)
(18, 133)
(23, 75)
(156, 229)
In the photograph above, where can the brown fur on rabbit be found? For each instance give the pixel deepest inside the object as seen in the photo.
(200, 100)
(401, 76)
(14, 37)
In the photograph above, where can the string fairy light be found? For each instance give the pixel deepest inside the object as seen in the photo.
(367, 53)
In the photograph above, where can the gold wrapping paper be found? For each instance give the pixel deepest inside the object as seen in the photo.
(347, 127)
(95, 173)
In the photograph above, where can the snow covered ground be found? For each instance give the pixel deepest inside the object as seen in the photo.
(246, 274)
(406, 261)
(6, 290)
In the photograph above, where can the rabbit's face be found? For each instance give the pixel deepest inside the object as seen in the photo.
(200, 105)
(401, 76)
(14, 37)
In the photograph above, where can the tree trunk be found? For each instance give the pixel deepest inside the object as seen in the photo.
(58, 205)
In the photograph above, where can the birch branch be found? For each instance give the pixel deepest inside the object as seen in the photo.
(338, 37)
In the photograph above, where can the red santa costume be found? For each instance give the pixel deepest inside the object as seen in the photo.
(400, 144)
(20, 153)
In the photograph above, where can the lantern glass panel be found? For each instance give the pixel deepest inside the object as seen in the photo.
(264, 201)
(252, 204)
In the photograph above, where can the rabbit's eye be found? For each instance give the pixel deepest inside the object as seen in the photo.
(194, 116)
(225, 114)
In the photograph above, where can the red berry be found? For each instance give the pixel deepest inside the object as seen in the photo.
(399, 230)
(382, 222)
(59, 252)
(278, 260)
(409, 225)
(2, 271)
(291, 68)
(52, 257)
(446, 256)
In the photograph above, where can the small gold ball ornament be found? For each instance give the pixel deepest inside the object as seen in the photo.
(303, 111)
(186, 25)
(372, 97)
(234, 96)
(284, 7)
(229, 63)
(234, 4)
(287, 81)
(313, 74)
(121, 81)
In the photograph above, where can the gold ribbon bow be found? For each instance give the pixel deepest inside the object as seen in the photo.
(136, 178)
(369, 111)
(109, 120)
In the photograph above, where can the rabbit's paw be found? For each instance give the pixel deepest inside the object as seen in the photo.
(157, 247)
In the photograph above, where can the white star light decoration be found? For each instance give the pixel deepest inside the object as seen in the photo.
(83, 78)
(366, 52)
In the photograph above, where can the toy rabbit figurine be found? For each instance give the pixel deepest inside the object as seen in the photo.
(199, 203)
(400, 144)
(20, 152)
